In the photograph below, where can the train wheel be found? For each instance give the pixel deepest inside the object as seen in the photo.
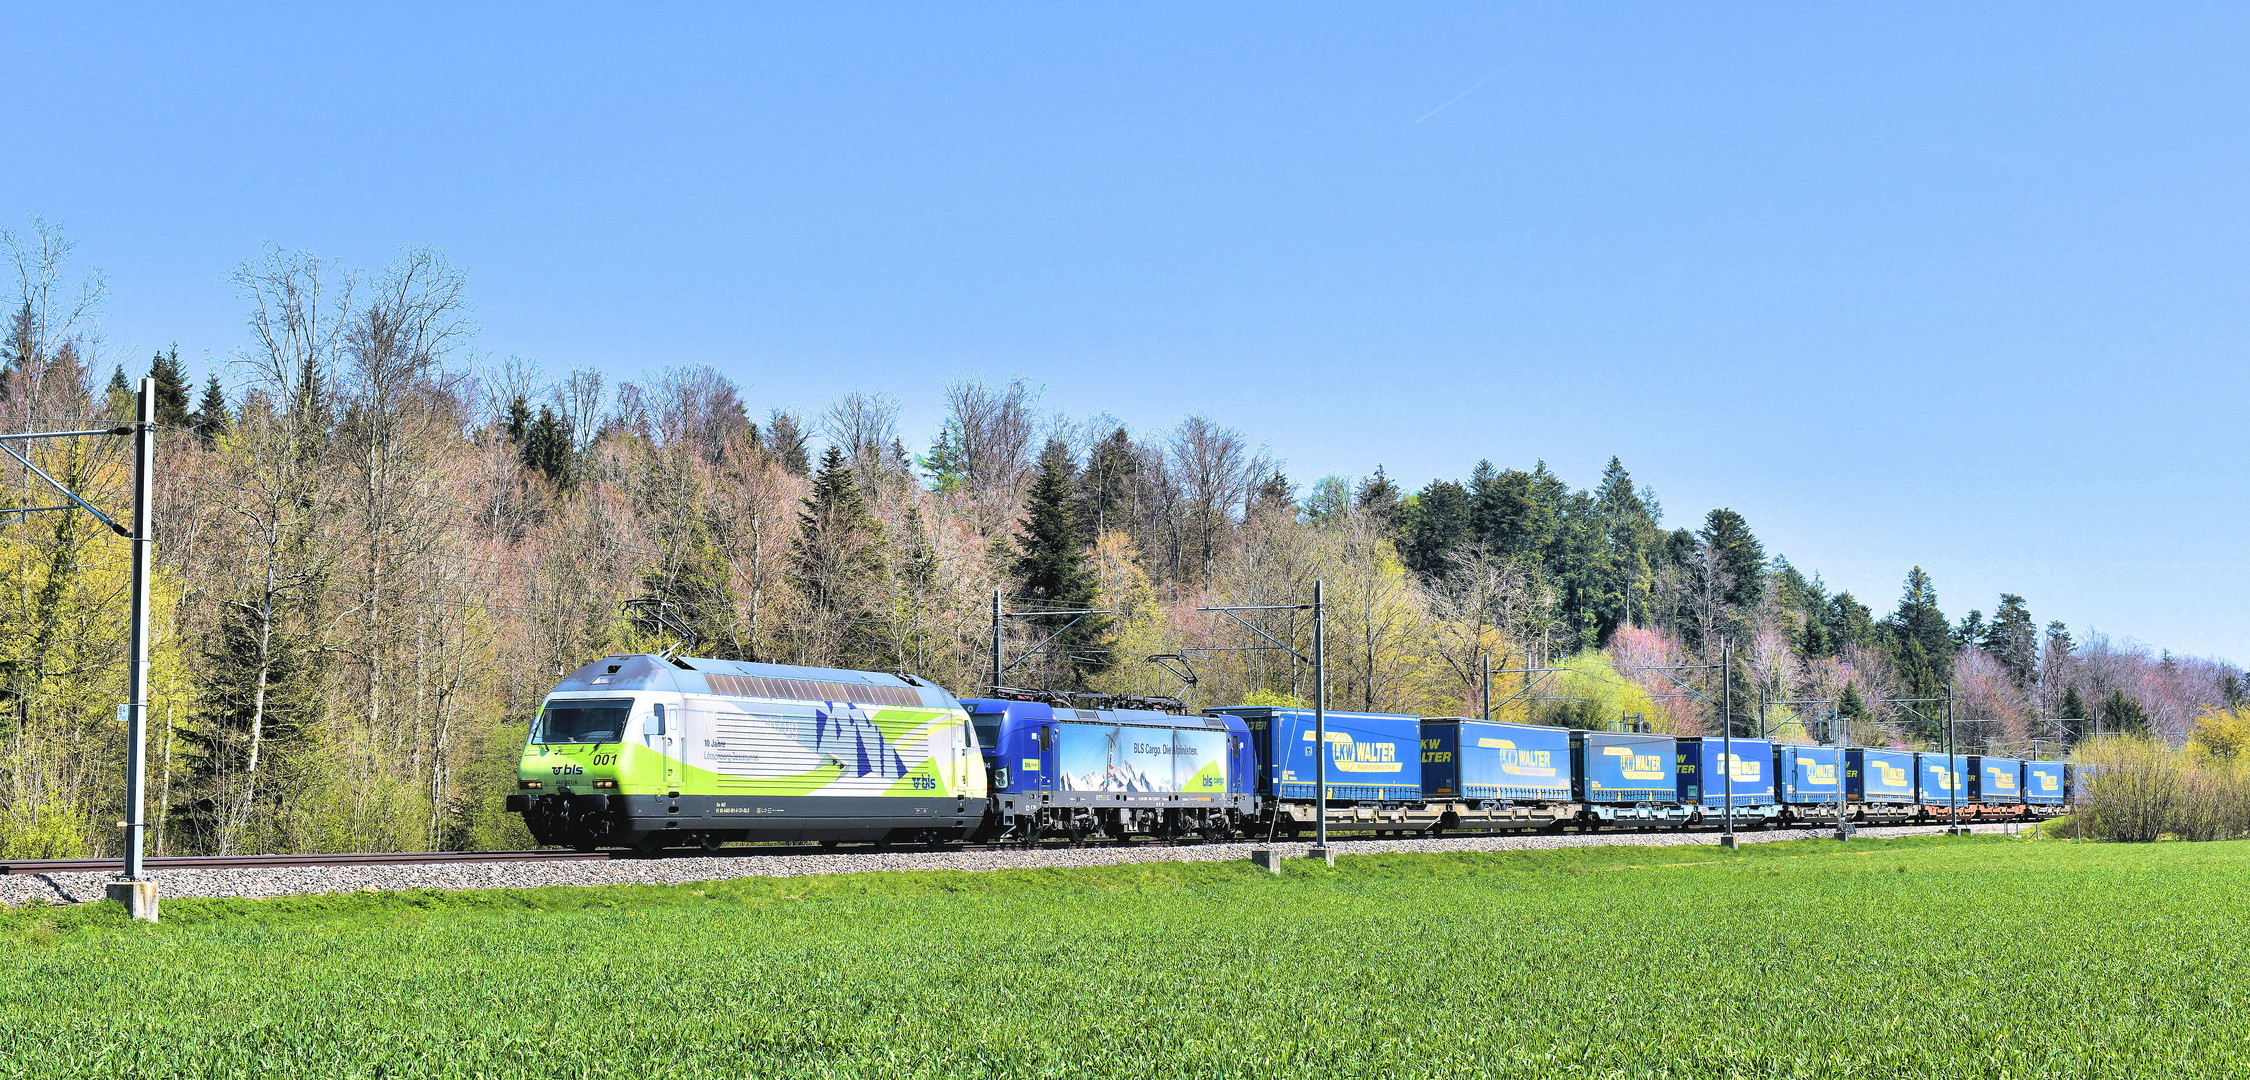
(710, 841)
(829, 845)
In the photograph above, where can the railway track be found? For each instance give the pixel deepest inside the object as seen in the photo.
(420, 858)
(239, 862)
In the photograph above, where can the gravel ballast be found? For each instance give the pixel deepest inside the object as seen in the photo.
(262, 882)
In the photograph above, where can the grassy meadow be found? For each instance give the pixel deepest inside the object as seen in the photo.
(1918, 958)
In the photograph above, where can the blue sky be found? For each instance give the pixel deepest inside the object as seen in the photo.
(1953, 285)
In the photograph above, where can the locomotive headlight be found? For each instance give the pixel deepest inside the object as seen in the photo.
(528, 785)
(605, 783)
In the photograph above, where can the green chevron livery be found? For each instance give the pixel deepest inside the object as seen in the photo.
(651, 751)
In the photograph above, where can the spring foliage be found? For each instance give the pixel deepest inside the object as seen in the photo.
(375, 557)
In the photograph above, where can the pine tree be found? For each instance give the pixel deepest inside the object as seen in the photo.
(785, 440)
(1812, 639)
(1920, 639)
(838, 561)
(1437, 528)
(1969, 634)
(171, 389)
(1513, 512)
(19, 350)
(545, 445)
(943, 466)
(2122, 713)
(2013, 640)
(517, 423)
(1739, 554)
(1850, 705)
(1629, 524)
(1379, 499)
(1274, 494)
(211, 415)
(1050, 565)
(2079, 721)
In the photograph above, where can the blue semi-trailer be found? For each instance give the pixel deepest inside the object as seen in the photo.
(1627, 777)
(1708, 780)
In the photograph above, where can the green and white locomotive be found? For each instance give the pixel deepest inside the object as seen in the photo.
(654, 751)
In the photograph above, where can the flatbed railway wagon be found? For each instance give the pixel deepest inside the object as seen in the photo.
(652, 750)
(1374, 770)
(2046, 787)
(1055, 771)
(1477, 774)
(1808, 782)
(1881, 785)
(1709, 780)
(1943, 787)
(1625, 778)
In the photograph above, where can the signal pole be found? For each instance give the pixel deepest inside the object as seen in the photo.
(138, 890)
(1953, 786)
(136, 769)
(1484, 666)
(1726, 738)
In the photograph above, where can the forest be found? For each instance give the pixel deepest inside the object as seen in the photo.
(376, 551)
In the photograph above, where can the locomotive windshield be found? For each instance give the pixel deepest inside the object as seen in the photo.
(987, 725)
(583, 722)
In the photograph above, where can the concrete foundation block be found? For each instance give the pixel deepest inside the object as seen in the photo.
(1266, 858)
(1324, 854)
(139, 897)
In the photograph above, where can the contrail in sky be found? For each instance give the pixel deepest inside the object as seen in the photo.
(1465, 93)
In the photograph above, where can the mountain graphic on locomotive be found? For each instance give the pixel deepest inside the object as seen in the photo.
(655, 750)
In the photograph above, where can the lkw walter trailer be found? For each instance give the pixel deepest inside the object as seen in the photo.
(1880, 785)
(1481, 774)
(1808, 782)
(1708, 781)
(1626, 778)
(1397, 774)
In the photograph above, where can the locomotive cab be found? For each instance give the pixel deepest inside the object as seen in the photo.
(589, 756)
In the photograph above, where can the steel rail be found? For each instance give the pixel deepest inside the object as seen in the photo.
(240, 862)
(440, 858)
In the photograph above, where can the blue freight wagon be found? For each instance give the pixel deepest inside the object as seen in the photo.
(1808, 779)
(1372, 757)
(1116, 771)
(1941, 784)
(1705, 786)
(1880, 783)
(2045, 783)
(1999, 780)
(1481, 761)
(1626, 776)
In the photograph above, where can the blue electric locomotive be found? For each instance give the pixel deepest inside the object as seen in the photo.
(1115, 772)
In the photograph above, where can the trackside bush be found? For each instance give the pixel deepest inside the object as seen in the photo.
(2139, 790)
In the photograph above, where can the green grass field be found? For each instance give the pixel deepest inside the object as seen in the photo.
(1979, 958)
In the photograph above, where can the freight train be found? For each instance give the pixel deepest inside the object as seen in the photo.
(653, 751)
